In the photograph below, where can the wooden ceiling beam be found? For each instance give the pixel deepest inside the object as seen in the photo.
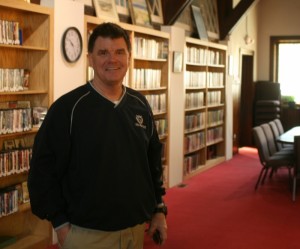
(172, 9)
(229, 16)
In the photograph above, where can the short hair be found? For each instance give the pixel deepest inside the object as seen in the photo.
(108, 30)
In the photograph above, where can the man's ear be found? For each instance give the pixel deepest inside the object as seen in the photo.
(90, 60)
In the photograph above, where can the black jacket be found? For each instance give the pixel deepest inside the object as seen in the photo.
(96, 164)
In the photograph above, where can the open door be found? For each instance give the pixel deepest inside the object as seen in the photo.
(243, 94)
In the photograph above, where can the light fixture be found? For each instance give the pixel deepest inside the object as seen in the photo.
(247, 38)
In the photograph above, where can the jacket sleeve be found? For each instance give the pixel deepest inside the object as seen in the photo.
(49, 160)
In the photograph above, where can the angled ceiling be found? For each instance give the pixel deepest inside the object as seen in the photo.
(227, 15)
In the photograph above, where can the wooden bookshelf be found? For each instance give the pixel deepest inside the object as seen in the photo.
(155, 65)
(35, 53)
(205, 80)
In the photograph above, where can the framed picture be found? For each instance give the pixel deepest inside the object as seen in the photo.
(122, 7)
(199, 23)
(155, 10)
(177, 61)
(139, 12)
(106, 9)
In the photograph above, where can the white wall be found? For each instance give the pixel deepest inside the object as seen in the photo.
(276, 18)
(67, 76)
(235, 45)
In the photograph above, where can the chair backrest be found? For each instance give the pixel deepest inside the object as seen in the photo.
(270, 138)
(279, 125)
(276, 134)
(261, 143)
(297, 155)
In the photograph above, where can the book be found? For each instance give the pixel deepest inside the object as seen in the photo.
(38, 115)
(25, 193)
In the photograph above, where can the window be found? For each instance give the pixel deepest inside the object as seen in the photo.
(285, 54)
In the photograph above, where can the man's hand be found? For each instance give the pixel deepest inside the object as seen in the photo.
(159, 223)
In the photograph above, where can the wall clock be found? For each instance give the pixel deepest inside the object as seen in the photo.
(72, 44)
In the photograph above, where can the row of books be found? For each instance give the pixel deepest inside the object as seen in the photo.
(195, 121)
(12, 197)
(214, 98)
(191, 163)
(198, 121)
(10, 32)
(18, 116)
(146, 78)
(215, 117)
(15, 161)
(215, 79)
(194, 142)
(15, 79)
(195, 79)
(150, 48)
(211, 152)
(203, 79)
(15, 120)
(8, 201)
(161, 126)
(204, 56)
(194, 100)
(157, 102)
(214, 135)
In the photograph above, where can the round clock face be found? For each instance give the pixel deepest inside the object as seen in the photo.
(72, 44)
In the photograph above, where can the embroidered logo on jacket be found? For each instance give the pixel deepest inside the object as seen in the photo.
(140, 121)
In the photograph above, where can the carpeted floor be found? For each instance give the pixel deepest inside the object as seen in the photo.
(219, 209)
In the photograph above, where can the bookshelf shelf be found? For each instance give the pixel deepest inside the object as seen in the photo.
(29, 92)
(204, 132)
(149, 59)
(24, 47)
(33, 52)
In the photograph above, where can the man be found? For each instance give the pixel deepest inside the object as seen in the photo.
(96, 167)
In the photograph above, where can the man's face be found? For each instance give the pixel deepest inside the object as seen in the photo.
(110, 60)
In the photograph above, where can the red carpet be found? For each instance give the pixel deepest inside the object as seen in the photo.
(219, 209)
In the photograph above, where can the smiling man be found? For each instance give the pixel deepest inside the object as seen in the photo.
(96, 170)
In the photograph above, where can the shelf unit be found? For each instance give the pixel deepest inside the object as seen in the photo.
(35, 53)
(204, 81)
(148, 73)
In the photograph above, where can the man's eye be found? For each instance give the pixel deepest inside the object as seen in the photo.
(103, 52)
(121, 52)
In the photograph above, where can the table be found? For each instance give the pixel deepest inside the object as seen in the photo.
(288, 136)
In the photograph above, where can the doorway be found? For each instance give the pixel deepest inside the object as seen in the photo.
(243, 95)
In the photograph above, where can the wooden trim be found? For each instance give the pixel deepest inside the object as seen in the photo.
(274, 50)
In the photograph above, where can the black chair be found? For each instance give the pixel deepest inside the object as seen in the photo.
(296, 173)
(279, 125)
(272, 143)
(281, 131)
(267, 104)
(267, 160)
(275, 134)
